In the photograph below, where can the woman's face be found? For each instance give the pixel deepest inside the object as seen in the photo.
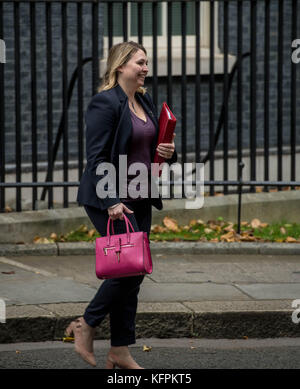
(135, 70)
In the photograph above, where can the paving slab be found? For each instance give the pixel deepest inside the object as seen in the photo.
(198, 271)
(27, 311)
(272, 291)
(266, 271)
(64, 309)
(19, 286)
(189, 292)
(40, 291)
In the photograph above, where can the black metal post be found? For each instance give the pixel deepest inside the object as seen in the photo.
(241, 166)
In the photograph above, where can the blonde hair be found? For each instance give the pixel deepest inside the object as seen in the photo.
(119, 55)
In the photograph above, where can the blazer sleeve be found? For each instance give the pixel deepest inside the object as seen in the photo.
(100, 121)
(173, 159)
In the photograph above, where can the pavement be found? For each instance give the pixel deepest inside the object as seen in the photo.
(197, 290)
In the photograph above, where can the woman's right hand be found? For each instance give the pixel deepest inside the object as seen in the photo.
(117, 211)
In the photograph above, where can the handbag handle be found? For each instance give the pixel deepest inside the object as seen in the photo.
(127, 221)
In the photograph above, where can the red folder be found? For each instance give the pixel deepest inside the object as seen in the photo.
(166, 123)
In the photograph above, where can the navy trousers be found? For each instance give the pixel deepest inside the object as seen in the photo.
(118, 296)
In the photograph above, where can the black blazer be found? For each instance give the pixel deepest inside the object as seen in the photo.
(108, 132)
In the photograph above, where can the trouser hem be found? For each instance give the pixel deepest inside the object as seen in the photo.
(122, 342)
(91, 323)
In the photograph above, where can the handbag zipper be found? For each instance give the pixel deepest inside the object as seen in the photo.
(112, 247)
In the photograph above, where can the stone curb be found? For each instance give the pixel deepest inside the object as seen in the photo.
(47, 322)
(88, 248)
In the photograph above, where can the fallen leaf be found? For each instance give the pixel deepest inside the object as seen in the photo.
(245, 236)
(255, 223)
(91, 232)
(147, 348)
(82, 228)
(229, 227)
(42, 240)
(8, 272)
(192, 222)
(68, 339)
(282, 230)
(227, 236)
(53, 235)
(157, 229)
(264, 225)
(18, 352)
(245, 337)
(290, 239)
(170, 223)
(208, 230)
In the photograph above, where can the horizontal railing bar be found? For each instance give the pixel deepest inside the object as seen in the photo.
(235, 183)
(174, 182)
(107, 1)
(36, 184)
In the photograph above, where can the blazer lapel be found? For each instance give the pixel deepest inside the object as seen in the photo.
(125, 123)
(143, 102)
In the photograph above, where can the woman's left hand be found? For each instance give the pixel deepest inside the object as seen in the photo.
(166, 150)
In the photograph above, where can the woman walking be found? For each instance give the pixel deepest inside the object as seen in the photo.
(120, 120)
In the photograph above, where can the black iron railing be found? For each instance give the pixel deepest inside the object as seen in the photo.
(77, 24)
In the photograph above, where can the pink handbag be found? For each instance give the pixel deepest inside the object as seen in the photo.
(123, 255)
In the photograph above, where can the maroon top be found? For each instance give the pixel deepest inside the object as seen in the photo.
(143, 134)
